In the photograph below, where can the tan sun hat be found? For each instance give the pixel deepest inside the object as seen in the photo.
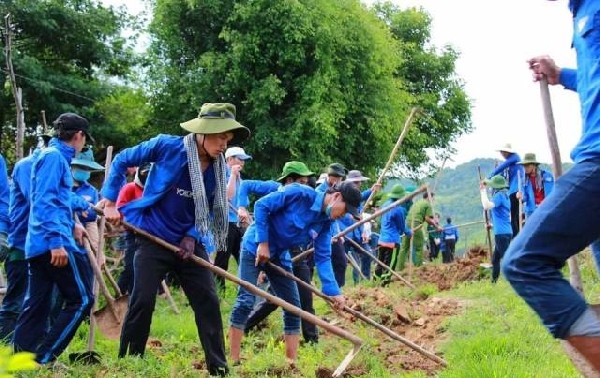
(507, 147)
(217, 118)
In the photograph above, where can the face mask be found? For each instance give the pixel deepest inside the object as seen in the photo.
(81, 176)
(328, 209)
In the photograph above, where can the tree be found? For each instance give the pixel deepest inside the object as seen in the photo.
(67, 53)
(315, 81)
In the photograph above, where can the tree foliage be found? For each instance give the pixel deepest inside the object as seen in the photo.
(314, 81)
(66, 54)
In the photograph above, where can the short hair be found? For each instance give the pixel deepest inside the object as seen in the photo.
(65, 135)
(426, 195)
(449, 220)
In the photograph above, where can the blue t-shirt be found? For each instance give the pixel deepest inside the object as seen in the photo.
(174, 213)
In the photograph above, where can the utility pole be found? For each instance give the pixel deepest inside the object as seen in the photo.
(17, 92)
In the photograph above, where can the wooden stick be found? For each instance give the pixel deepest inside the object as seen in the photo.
(392, 157)
(304, 315)
(520, 185)
(382, 264)
(464, 224)
(486, 217)
(355, 265)
(574, 273)
(360, 316)
(169, 297)
(376, 214)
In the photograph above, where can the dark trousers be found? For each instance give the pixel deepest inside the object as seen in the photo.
(514, 214)
(434, 249)
(339, 262)
(74, 282)
(16, 275)
(309, 330)
(448, 253)
(387, 256)
(125, 281)
(151, 263)
(234, 241)
(501, 245)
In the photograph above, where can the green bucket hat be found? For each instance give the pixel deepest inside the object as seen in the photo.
(397, 192)
(217, 118)
(294, 167)
(496, 182)
(529, 158)
(85, 161)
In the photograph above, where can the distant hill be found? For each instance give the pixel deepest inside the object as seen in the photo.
(457, 196)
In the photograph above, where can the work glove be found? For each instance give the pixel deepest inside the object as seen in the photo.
(186, 248)
(4, 250)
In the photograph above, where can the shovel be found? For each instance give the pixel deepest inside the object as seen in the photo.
(110, 317)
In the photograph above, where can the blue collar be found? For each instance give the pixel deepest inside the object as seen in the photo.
(317, 206)
(67, 151)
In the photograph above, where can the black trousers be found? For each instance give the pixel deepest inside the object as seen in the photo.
(339, 262)
(514, 214)
(310, 332)
(434, 249)
(384, 254)
(234, 241)
(501, 245)
(151, 263)
(448, 253)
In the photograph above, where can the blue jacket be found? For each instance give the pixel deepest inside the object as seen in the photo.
(257, 187)
(19, 201)
(393, 224)
(586, 78)
(51, 218)
(450, 232)
(527, 190)
(4, 197)
(89, 194)
(511, 171)
(501, 213)
(169, 156)
(286, 219)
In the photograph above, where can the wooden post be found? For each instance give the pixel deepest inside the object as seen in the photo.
(575, 274)
(17, 92)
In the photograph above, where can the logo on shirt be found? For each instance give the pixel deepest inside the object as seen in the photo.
(185, 193)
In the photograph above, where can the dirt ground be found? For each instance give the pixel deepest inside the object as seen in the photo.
(420, 319)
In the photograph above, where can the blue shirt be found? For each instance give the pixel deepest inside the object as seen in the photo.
(347, 220)
(501, 213)
(19, 201)
(286, 219)
(547, 181)
(586, 78)
(450, 232)
(4, 197)
(257, 187)
(393, 224)
(169, 156)
(51, 218)
(511, 171)
(90, 195)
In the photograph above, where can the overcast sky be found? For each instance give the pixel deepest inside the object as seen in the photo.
(495, 38)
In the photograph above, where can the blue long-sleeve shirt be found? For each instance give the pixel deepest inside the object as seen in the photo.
(4, 197)
(393, 224)
(547, 182)
(257, 187)
(89, 194)
(19, 201)
(450, 232)
(347, 220)
(511, 170)
(51, 218)
(501, 213)
(586, 78)
(286, 219)
(169, 156)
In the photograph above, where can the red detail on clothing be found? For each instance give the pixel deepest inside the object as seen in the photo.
(538, 193)
(131, 191)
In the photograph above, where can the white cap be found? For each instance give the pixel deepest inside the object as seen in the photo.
(322, 178)
(237, 152)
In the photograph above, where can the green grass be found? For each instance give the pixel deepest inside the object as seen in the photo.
(496, 335)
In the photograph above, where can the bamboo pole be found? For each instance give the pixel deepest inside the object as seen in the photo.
(360, 316)
(392, 156)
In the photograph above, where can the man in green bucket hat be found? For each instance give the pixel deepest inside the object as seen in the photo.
(185, 204)
(500, 206)
(537, 185)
